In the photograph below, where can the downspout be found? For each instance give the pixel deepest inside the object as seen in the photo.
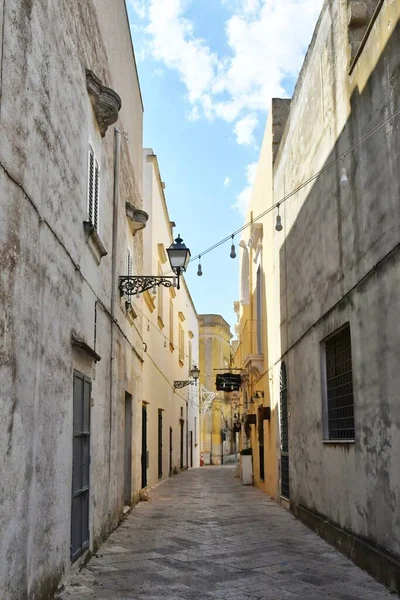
(114, 286)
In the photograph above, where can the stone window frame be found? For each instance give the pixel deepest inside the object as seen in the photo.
(324, 381)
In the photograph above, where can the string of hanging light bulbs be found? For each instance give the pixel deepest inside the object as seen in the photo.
(344, 182)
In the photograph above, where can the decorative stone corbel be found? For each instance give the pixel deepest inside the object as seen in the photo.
(106, 103)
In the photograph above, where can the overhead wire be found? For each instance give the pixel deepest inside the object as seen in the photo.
(298, 188)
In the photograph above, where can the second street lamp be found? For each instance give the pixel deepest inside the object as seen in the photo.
(195, 373)
(179, 257)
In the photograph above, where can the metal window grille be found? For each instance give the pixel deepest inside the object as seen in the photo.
(93, 190)
(339, 384)
(284, 425)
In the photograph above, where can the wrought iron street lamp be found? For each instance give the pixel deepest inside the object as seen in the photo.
(195, 373)
(179, 257)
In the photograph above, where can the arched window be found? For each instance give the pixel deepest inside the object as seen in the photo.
(284, 425)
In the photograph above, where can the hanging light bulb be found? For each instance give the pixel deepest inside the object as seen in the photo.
(233, 251)
(199, 269)
(154, 290)
(344, 180)
(278, 224)
(138, 295)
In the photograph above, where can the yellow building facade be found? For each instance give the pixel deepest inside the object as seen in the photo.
(260, 394)
(217, 409)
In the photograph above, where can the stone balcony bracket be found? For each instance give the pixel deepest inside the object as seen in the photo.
(137, 218)
(254, 363)
(106, 103)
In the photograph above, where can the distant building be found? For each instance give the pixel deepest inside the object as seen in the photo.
(218, 438)
(170, 435)
(319, 314)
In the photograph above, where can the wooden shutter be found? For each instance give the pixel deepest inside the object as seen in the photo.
(96, 195)
(90, 186)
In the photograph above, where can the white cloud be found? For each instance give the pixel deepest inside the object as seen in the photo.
(244, 130)
(139, 6)
(267, 41)
(243, 199)
(227, 181)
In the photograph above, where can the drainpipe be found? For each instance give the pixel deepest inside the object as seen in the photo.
(114, 285)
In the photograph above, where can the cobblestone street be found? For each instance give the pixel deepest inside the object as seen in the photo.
(204, 535)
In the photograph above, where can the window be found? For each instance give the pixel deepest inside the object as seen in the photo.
(181, 344)
(190, 356)
(129, 268)
(93, 190)
(339, 411)
(129, 263)
(171, 322)
(160, 300)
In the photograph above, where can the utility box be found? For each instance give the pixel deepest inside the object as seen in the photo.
(247, 469)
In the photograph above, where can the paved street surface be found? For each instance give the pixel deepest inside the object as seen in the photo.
(203, 536)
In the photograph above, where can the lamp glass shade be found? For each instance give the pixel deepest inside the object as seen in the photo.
(178, 255)
(195, 372)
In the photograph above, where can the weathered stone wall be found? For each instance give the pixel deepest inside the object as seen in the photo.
(51, 286)
(338, 261)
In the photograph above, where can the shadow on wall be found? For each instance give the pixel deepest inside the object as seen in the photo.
(340, 263)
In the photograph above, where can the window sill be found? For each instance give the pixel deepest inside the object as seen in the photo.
(94, 242)
(338, 442)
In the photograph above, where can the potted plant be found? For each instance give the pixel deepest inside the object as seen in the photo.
(247, 466)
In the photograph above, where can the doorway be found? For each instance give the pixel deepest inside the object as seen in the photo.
(128, 450)
(144, 446)
(284, 422)
(82, 387)
(170, 450)
(191, 449)
(261, 441)
(182, 423)
(160, 432)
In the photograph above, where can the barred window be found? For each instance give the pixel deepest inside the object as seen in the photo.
(93, 189)
(339, 386)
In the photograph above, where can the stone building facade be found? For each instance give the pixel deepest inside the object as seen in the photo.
(330, 281)
(71, 348)
(171, 335)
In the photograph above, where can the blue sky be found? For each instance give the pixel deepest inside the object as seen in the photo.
(207, 70)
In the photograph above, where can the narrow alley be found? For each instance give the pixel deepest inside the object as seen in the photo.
(204, 535)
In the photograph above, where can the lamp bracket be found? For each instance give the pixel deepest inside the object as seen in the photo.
(137, 284)
(182, 384)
